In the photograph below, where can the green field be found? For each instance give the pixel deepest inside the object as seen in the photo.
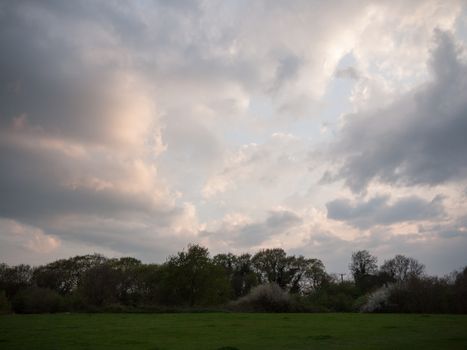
(237, 331)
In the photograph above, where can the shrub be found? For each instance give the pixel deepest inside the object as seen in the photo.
(427, 295)
(264, 298)
(335, 297)
(460, 291)
(378, 301)
(420, 295)
(38, 300)
(5, 306)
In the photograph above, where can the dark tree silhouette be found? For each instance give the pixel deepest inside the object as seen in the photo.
(363, 268)
(401, 268)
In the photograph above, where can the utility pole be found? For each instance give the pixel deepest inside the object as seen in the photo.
(342, 277)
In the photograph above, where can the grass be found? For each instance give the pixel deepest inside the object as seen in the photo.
(233, 331)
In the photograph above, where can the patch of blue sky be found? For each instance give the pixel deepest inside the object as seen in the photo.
(335, 102)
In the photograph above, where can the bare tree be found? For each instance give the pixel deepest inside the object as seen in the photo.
(400, 268)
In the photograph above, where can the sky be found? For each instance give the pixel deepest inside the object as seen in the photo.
(133, 128)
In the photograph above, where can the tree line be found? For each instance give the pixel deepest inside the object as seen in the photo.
(268, 281)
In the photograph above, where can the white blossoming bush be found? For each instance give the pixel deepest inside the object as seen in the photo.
(264, 298)
(378, 300)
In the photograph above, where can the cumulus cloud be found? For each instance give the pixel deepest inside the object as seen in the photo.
(28, 237)
(417, 140)
(379, 211)
(348, 72)
(79, 128)
(263, 165)
(241, 232)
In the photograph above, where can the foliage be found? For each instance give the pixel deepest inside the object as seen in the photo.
(5, 306)
(273, 266)
(264, 298)
(191, 280)
(14, 278)
(295, 274)
(64, 275)
(100, 285)
(415, 295)
(363, 268)
(460, 290)
(38, 300)
(428, 295)
(239, 271)
(335, 296)
(378, 300)
(401, 268)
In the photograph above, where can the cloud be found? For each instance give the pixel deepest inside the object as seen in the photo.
(241, 232)
(348, 72)
(27, 237)
(80, 131)
(379, 211)
(417, 140)
(263, 165)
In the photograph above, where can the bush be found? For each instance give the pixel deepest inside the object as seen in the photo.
(335, 297)
(38, 300)
(424, 295)
(264, 298)
(378, 301)
(416, 295)
(460, 291)
(5, 306)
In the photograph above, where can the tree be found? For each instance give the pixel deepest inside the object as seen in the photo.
(64, 275)
(129, 289)
(244, 277)
(363, 268)
(191, 278)
(401, 268)
(362, 263)
(239, 271)
(272, 266)
(460, 290)
(14, 278)
(307, 274)
(5, 306)
(150, 284)
(99, 285)
(295, 274)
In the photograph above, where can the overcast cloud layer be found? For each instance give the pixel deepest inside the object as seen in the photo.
(135, 128)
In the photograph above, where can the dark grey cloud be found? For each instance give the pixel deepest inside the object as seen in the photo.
(77, 124)
(59, 90)
(93, 201)
(378, 210)
(453, 229)
(417, 140)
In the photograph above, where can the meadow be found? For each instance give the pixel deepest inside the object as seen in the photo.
(229, 331)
